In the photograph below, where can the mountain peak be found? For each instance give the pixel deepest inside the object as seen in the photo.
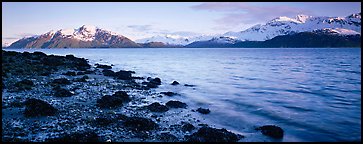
(302, 18)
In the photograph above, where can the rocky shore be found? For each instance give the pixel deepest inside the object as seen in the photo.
(48, 98)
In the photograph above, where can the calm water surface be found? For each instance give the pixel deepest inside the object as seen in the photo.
(313, 94)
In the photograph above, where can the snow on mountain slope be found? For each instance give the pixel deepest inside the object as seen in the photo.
(174, 39)
(301, 23)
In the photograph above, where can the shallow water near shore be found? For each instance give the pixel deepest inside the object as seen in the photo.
(314, 94)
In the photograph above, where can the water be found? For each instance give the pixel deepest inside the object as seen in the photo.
(313, 94)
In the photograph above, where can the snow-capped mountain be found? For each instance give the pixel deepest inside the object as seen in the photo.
(85, 36)
(301, 23)
(175, 39)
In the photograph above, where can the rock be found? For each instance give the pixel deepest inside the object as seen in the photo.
(85, 136)
(272, 131)
(82, 79)
(122, 95)
(123, 75)
(167, 137)
(39, 54)
(61, 81)
(107, 72)
(151, 85)
(156, 107)
(88, 72)
(139, 123)
(188, 85)
(176, 104)
(61, 92)
(187, 127)
(208, 134)
(103, 66)
(168, 93)
(80, 73)
(70, 56)
(156, 81)
(36, 107)
(70, 73)
(52, 61)
(24, 84)
(203, 111)
(108, 101)
(175, 83)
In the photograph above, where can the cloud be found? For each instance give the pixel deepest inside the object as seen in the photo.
(248, 13)
(140, 27)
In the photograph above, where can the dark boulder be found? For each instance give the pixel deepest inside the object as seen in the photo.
(208, 134)
(176, 104)
(156, 107)
(39, 54)
(53, 61)
(85, 136)
(151, 85)
(122, 95)
(167, 137)
(272, 131)
(36, 107)
(156, 81)
(124, 75)
(107, 72)
(70, 73)
(103, 66)
(187, 127)
(203, 111)
(82, 79)
(81, 64)
(139, 123)
(24, 84)
(189, 85)
(80, 73)
(61, 92)
(70, 56)
(175, 83)
(61, 81)
(108, 101)
(168, 93)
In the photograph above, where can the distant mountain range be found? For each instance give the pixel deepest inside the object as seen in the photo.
(301, 31)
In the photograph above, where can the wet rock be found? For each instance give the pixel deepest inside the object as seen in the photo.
(82, 79)
(167, 137)
(70, 73)
(122, 95)
(203, 111)
(81, 64)
(61, 92)
(24, 84)
(157, 107)
(88, 72)
(36, 107)
(152, 85)
(176, 104)
(85, 136)
(70, 56)
(124, 75)
(39, 54)
(80, 73)
(168, 93)
(156, 81)
(139, 123)
(175, 83)
(208, 134)
(52, 61)
(107, 72)
(16, 103)
(187, 127)
(103, 66)
(272, 131)
(61, 81)
(108, 101)
(188, 85)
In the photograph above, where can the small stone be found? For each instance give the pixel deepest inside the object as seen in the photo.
(157, 107)
(203, 111)
(272, 131)
(176, 104)
(175, 83)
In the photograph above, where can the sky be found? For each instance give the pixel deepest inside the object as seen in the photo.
(145, 19)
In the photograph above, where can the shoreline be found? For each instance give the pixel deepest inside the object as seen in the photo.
(93, 103)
